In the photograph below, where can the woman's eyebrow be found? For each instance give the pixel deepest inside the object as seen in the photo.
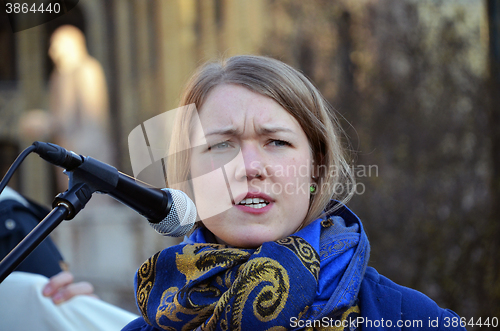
(273, 129)
(227, 131)
(230, 131)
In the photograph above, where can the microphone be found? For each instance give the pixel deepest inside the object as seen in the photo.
(170, 212)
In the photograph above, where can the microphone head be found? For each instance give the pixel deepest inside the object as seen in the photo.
(181, 217)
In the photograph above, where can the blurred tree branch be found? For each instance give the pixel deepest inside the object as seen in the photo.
(410, 81)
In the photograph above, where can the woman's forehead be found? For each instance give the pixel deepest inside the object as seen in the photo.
(213, 126)
(232, 109)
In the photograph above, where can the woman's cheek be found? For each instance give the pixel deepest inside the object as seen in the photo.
(211, 193)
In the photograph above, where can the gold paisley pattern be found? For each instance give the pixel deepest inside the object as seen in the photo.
(196, 260)
(267, 303)
(170, 307)
(352, 313)
(263, 274)
(215, 287)
(347, 316)
(304, 251)
(145, 281)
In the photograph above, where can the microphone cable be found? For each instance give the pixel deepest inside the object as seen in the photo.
(15, 165)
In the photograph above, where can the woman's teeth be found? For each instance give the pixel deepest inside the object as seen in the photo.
(254, 203)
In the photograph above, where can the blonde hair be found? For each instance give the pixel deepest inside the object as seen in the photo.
(292, 91)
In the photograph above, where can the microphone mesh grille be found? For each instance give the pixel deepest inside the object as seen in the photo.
(181, 217)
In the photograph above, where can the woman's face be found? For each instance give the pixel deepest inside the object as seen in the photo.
(258, 158)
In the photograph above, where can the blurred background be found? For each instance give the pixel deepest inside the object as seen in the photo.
(415, 83)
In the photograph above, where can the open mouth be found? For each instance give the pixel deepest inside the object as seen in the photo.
(256, 203)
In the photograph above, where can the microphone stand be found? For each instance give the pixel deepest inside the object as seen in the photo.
(65, 206)
(84, 180)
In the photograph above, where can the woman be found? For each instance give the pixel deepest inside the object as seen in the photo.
(259, 151)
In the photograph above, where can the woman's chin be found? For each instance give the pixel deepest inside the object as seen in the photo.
(246, 239)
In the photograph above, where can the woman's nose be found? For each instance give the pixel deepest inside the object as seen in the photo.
(253, 165)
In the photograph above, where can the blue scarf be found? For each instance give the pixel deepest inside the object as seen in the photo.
(315, 272)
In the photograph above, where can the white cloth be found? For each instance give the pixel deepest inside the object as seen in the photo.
(23, 307)
(10, 194)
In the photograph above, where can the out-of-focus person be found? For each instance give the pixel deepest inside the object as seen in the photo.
(78, 96)
(41, 284)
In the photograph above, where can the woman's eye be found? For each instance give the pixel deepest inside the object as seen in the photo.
(279, 143)
(221, 145)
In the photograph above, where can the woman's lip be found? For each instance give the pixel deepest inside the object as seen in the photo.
(254, 211)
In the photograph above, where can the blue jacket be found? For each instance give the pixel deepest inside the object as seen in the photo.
(18, 216)
(383, 300)
(384, 305)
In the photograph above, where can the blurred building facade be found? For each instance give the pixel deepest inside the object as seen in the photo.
(148, 50)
